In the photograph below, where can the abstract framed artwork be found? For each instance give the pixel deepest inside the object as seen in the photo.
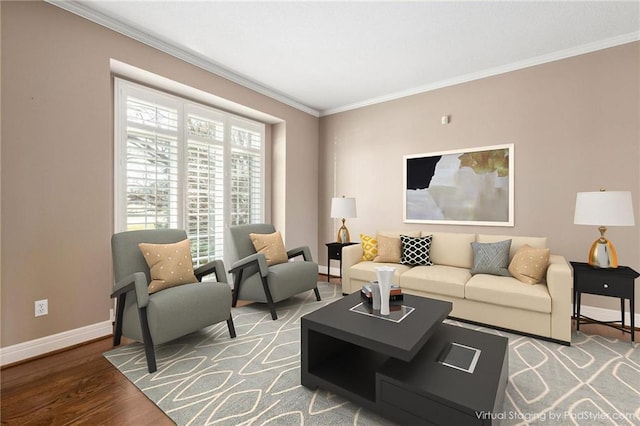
(472, 186)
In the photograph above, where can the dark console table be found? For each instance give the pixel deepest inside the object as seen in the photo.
(613, 282)
(395, 368)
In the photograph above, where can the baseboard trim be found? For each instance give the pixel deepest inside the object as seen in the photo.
(55, 342)
(333, 271)
(602, 314)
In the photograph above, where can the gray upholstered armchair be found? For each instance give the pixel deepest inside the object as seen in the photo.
(170, 313)
(254, 280)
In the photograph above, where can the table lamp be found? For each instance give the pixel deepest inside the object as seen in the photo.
(603, 208)
(342, 208)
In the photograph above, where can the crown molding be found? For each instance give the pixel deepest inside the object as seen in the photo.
(539, 60)
(180, 53)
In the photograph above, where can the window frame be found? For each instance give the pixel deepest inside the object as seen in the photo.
(184, 106)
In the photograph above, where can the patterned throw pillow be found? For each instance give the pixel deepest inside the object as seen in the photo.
(272, 246)
(491, 258)
(415, 250)
(529, 264)
(170, 265)
(388, 249)
(369, 247)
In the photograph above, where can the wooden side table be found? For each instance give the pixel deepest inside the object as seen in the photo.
(334, 252)
(613, 282)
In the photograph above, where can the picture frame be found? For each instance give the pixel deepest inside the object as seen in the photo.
(471, 186)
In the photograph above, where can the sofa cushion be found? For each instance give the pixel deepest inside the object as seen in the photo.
(451, 249)
(516, 242)
(529, 264)
(369, 247)
(415, 250)
(388, 249)
(366, 271)
(438, 279)
(508, 291)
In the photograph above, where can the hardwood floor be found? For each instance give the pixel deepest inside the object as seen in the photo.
(79, 386)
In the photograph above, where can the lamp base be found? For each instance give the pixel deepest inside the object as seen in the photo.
(602, 254)
(343, 235)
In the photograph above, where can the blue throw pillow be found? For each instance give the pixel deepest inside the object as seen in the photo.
(415, 250)
(491, 258)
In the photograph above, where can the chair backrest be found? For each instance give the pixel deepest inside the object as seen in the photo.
(240, 244)
(127, 257)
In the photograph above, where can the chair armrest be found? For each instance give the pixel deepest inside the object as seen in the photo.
(254, 259)
(136, 282)
(351, 255)
(303, 250)
(213, 267)
(560, 285)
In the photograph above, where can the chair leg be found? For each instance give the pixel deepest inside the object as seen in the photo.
(147, 341)
(267, 292)
(236, 288)
(232, 329)
(117, 332)
(317, 292)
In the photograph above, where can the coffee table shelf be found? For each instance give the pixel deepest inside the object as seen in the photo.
(353, 377)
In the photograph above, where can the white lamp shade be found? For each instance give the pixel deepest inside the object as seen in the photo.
(604, 208)
(342, 207)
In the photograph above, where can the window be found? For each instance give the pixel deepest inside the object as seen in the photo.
(180, 164)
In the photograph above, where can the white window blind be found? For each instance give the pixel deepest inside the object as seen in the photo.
(180, 164)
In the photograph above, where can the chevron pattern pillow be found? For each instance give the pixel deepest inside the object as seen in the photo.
(369, 247)
(491, 258)
(415, 250)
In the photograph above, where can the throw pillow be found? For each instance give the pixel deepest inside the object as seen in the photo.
(415, 250)
(491, 258)
(369, 247)
(388, 249)
(271, 245)
(529, 264)
(170, 265)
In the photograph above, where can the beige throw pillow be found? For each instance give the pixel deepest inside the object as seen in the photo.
(170, 265)
(529, 264)
(271, 245)
(388, 249)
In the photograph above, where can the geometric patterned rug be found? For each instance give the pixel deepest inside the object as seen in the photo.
(207, 378)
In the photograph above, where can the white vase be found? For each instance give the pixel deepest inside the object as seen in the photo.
(385, 275)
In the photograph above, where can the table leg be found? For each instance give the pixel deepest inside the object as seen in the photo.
(578, 296)
(633, 321)
(622, 310)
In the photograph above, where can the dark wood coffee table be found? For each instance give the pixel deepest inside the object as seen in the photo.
(394, 368)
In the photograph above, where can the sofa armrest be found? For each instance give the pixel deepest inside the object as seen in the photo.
(350, 256)
(560, 286)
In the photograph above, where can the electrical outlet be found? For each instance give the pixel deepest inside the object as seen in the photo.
(42, 307)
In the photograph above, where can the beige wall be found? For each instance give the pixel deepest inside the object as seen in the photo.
(57, 163)
(575, 126)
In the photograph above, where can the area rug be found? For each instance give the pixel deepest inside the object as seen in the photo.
(207, 378)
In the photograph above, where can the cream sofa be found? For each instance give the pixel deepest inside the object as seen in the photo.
(540, 309)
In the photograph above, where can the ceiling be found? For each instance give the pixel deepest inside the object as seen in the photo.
(330, 56)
